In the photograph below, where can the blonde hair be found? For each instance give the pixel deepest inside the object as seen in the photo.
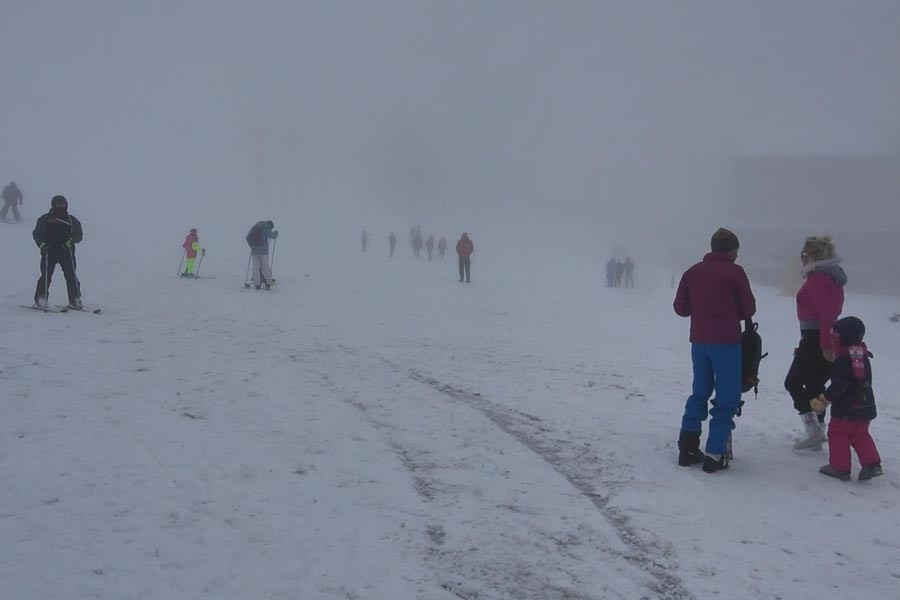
(818, 247)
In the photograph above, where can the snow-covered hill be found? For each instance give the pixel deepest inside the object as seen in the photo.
(372, 429)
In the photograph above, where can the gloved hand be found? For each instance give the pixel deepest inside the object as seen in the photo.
(828, 354)
(69, 243)
(819, 404)
(43, 248)
(275, 234)
(202, 251)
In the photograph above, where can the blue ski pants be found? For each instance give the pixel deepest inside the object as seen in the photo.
(717, 367)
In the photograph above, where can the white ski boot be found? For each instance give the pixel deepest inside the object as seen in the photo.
(815, 433)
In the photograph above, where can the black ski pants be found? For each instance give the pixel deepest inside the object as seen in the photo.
(809, 372)
(65, 258)
(10, 204)
(465, 264)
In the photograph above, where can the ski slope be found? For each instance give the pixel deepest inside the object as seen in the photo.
(372, 429)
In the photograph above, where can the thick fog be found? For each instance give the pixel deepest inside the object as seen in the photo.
(564, 128)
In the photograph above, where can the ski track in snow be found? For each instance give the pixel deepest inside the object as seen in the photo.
(579, 466)
(440, 478)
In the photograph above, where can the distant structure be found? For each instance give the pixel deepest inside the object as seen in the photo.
(776, 201)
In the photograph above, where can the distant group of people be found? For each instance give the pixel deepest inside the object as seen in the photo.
(620, 273)
(715, 293)
(417, 244)
(464, 248)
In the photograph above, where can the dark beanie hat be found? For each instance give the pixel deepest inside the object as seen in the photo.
(851, 330)
(57, 200)
(724, 241)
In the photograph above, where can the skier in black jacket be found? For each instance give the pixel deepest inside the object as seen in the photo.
(56, 234)
(12, 199)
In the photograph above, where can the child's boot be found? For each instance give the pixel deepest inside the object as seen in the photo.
(870, 471)
(832, 472)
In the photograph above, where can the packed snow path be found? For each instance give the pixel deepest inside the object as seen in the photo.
(373, 429)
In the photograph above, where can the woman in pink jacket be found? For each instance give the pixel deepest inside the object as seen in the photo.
(819, 304)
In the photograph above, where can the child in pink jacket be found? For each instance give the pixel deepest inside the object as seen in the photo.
(192, 247)
(852, 404)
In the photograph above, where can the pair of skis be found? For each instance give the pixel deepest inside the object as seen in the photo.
(63, 309)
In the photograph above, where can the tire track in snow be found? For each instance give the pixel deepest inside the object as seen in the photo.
(651, 555)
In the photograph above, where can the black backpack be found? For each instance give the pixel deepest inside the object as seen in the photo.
(751, 356)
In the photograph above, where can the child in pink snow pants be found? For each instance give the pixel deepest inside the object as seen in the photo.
(852, 404)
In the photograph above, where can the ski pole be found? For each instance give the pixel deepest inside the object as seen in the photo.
(199, 262)
(183, 254)
(247, 277)
(272, 259)
(46, 278)
(74, 271)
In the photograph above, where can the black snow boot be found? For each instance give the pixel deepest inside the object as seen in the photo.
(870, 471)
(714, 462)
(832, 472)
(689, 449)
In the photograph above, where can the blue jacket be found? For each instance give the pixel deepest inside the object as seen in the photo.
(258, 238)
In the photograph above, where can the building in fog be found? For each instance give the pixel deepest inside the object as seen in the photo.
(776, 201)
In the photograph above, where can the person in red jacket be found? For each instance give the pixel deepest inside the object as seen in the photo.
(819, 304)
(715, 293)
(465, 248)
(191, 247)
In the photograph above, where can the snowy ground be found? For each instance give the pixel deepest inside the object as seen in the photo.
(372, 429)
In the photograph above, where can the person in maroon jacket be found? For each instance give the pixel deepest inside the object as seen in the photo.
(819, 304)
(715, 293)
(465, 248)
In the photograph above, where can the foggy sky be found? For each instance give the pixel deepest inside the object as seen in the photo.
(618, 109)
